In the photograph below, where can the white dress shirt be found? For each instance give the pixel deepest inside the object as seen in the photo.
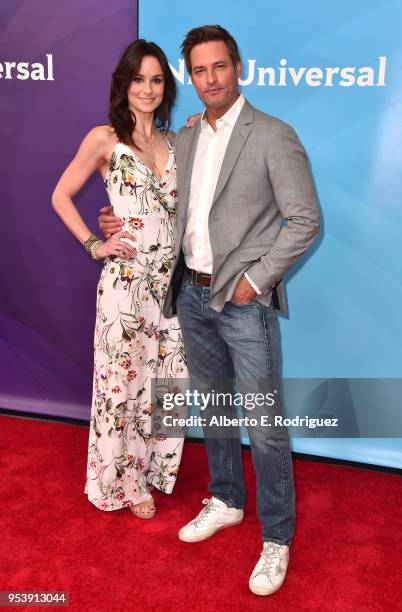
(209, 154)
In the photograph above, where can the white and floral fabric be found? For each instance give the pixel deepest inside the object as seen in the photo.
(134, 343)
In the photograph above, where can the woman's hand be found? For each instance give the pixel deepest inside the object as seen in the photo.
(117, 245)
(192, 120)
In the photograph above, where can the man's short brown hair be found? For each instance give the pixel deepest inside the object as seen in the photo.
(205, 34)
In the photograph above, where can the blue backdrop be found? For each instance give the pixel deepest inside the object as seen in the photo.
(333, 71)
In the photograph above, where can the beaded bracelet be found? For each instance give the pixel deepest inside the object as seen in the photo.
(91, 244)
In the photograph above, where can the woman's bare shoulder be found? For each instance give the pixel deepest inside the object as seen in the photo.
(99, 142)
(102, 135)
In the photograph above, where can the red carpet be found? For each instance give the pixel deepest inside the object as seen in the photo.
(347, 553)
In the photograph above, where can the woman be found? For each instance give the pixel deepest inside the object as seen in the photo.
(133, 342)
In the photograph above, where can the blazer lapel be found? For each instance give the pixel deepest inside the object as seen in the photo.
(240, 132)
(187, 165)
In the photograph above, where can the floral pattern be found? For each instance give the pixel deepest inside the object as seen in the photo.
(134, 343)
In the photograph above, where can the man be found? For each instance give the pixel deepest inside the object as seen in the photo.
(246, 212)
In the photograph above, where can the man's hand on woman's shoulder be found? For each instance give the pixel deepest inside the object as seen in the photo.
(192, 120)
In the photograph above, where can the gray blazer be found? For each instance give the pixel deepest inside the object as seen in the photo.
(264, 213)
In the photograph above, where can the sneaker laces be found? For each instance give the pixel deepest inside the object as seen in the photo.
(210, 506)
(270, 557)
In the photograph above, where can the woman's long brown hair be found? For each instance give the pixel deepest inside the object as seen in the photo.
(121, 118)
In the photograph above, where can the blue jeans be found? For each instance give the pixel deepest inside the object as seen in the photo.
(241, 342)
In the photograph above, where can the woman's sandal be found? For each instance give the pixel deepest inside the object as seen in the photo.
(145, 509)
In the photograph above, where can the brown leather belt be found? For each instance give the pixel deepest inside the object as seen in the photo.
(200, 278)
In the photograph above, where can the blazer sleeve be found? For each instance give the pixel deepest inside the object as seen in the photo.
(296, 199)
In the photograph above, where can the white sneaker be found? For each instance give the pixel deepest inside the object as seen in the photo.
(215, 516)
(270, 571)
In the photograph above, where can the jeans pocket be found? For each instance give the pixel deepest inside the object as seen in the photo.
(185, 282)
(252, 303)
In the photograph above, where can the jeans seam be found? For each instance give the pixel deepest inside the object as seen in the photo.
(268, 352)
(267, 345)
(229, 468)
